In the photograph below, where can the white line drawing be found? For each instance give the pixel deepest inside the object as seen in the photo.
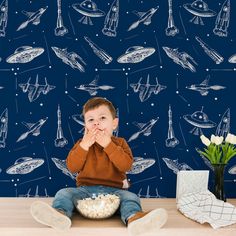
(60, 140)
(147, 195)
(49, 59)
(104, 56)
(136, 54)
(69, 58)
(213, 54)
(33, 128)
(171, 140)
(24, 165)
(3, 128)
(24, 54)
(232, 170)
(35, 89)
(60, 29)
(61, 165)
(112, 20)
(199, 120)
(33, 17)
(223, 127)
(181, 58)
(199, 9)
(175, 165)
(36, 193)
(222, 20)
(146, 89)
(144, 17)
(88, 9)
(144, 128)
(232, 59)
(92, 87)
(3, 17)
(140, 164)
(171, 29)
(204, 87)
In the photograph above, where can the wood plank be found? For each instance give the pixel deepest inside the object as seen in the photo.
(15, 220)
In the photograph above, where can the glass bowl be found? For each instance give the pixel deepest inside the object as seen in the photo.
(98, 206)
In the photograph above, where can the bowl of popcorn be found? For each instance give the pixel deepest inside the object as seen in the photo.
(98, 206)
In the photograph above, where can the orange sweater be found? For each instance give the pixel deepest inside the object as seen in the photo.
(101, 166)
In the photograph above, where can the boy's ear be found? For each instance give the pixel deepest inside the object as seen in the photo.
(115, 123)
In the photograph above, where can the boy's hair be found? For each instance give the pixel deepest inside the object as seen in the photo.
(96, 102)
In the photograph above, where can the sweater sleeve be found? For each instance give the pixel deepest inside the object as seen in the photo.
(76, 158)
(120, 155)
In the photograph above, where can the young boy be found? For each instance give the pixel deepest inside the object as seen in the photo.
(101, 161)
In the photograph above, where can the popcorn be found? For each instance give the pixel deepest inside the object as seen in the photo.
(98, 207)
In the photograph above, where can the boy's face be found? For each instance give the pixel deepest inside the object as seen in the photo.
(100, 118)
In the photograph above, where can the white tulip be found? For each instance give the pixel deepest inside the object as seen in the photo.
(213, 138)
(205, 140)
(217, 139)
(228, 138)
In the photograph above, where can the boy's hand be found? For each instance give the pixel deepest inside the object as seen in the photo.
(89, 138)
(103, 138)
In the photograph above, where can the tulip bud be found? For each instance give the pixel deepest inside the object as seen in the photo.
(205, 140)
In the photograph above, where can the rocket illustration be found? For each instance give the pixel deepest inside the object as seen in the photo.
(144, 17)
(3, 128)
(33, 128)
(33, 17)
(144, 128)
(3, 17)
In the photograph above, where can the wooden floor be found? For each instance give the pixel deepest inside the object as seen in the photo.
(15, 220)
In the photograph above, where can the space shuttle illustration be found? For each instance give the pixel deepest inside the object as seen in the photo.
(3, 17)
(3, 128)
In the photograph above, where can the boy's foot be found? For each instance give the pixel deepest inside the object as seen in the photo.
(47, 215)
(147, 222)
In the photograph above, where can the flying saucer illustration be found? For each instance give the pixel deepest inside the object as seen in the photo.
(232, 59)
(199, 9)
(24, 165)
(140, 164)
(24, 54)
(88, 9)
(136, 54)
(199, 120)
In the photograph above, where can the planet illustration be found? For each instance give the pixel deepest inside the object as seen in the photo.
(24, 165)
(24, 54)
(136, 54)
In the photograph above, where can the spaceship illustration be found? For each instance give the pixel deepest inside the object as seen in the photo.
(223, 127)
(181, 58)
(33, 128)
(24, 165)
(175, 165)
(136, 54)
(232, 170)
(88, 9)
(222, 20)
(199, 9)
(69, 58)
(144, 128)
(111, 20)
(33, 17)
(140, 164)
(144, 17)
(146, 90)
(3, 128)
(24, 54)
(34, 90)
(61, 164)
(232, 59)
(204, 87)
(3, 17)
(199, 120)
(92, 88)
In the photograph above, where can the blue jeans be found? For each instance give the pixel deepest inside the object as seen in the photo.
(66, 199)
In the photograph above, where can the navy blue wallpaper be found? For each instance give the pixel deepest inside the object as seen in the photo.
(168, 67)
